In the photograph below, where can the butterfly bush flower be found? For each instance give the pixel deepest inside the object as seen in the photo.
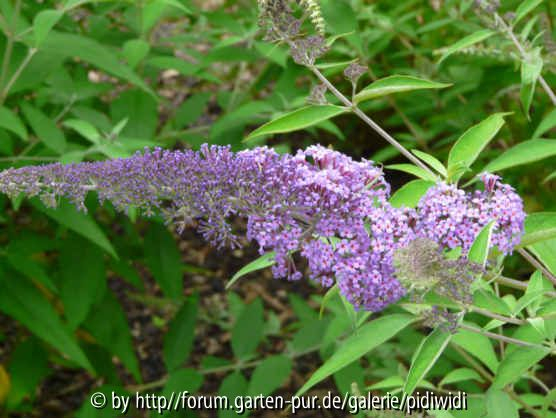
(453, 217)
(318, 205)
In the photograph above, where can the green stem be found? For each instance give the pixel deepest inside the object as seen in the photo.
(376, 127)
(511, 35)
(15, 76)
(9, 45)
(535, 263)
(501, 337)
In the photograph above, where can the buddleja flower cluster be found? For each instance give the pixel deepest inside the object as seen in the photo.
(453, 218)
(318, 205)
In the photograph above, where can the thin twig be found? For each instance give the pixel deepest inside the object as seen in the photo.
(507, 28)
(369, 121)
(518, 284)
(15, 76)
(535, 263)
(480, 369)
(9, 45)
(493, 315)
(502, 337)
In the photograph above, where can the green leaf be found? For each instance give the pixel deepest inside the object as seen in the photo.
(9, 121)
(548, 122)
(141, 112)
(82, 278)
(489, 301)
(479, 346)
(67, 215)
(478, 252)
(269, 375)
(545, 234)
(395, 84)
(466, 42)
(163, 258)
(414, 170)
(28, 366)
(330, 293)
(468, 147)
(22, 301)
(107, 323)
(297, 120)
(247, 332)
(191, 109)
(232, 386)
(182, 380)
(515, 364)
(45, 128)
(178, 341)
(91, 51)
(43, 22)
(460, 375)
(431, 161)
(84, 128)
(531, 68)
(523, 153)
(500, 405)
(524, 8)
(545, 250)
(368, 337)
(410, 193)
(135, 50)
(430, 350)
(264, 261)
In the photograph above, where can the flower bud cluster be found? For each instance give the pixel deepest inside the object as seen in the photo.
(317, 205)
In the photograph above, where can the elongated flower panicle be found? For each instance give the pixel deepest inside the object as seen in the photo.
(318, 204)
(453, 217)
(302, 202)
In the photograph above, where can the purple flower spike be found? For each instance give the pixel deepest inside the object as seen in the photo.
(318, 204)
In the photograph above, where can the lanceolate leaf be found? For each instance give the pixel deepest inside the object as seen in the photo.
(545, 250)
(93, 52)
(468, 147)
(396, 84)
(178, 342)
(478, 252)
(44, 128)
(164, 260)
(431, 161)
(524, 8)
(44, 22)
(523, 153)
(427, 354)
(297, 120)
(516, 363)
(479, 346)
(65, 214)
(9, 121)
(368, 337)
(546, 124)
(21, 300)
(264, 261)
(500, 405)
(410, 193)
(466, 42)
(414, 170)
